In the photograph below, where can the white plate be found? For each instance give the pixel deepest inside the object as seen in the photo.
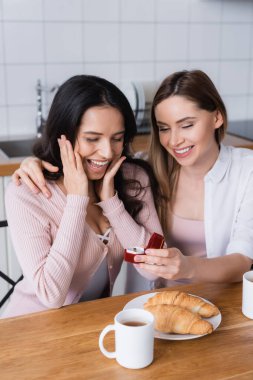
(138, 302)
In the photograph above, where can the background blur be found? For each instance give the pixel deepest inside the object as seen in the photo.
(122, 40)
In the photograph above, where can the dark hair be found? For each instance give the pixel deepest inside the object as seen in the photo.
(197, 87)
(72, 100)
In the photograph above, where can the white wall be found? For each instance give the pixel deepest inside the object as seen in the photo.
(121, 40)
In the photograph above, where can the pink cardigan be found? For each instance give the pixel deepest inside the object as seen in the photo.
(58, 251)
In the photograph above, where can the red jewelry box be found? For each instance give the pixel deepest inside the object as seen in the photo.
(155, 241)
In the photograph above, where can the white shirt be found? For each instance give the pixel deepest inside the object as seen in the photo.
(228, 205)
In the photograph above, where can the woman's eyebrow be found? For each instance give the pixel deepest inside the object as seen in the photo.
(161, 123)
(101, 134)
(177, 122)
(185, 118)
(91, 133)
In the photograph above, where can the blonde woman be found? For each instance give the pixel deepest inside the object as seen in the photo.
(206, 188)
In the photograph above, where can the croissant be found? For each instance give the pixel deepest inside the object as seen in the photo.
(175, 319)
(191, 303)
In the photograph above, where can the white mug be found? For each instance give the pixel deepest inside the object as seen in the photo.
(134, 338)
(247, 294)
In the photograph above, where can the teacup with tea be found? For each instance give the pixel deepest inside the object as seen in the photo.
(134, 338)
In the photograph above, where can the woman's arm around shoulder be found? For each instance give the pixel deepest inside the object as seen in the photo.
(30, 172)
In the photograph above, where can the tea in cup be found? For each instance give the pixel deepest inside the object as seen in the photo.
(134, 338)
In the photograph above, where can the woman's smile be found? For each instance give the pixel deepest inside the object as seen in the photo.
(97, 166)
(183, 152)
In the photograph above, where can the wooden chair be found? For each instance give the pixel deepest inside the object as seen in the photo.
(6, 278)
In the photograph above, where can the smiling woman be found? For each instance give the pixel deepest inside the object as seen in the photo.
(207, 189)
(70, 245)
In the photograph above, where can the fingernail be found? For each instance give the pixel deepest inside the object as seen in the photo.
(147, 251)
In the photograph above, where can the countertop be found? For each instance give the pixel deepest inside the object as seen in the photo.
(140, 143)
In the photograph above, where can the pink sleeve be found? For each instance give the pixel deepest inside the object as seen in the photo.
(48, 265)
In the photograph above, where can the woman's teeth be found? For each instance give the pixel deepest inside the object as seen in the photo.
(98, 163)
(182, 151)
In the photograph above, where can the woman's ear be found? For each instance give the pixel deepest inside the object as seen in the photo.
(218, 119)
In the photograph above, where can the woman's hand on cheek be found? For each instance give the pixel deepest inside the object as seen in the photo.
(75, 178)
(105, 187)
(167, 263)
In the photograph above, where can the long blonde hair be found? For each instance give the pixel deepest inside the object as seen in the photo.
(197, 87)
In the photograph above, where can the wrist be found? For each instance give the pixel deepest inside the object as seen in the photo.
(107, 195)
(192, 268)
(76, 190)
